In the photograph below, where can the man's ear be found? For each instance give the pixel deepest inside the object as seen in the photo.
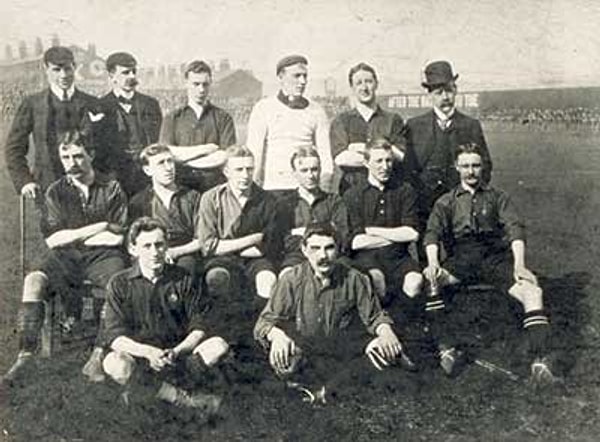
(146, 170)
(303, 249)
(131, 250)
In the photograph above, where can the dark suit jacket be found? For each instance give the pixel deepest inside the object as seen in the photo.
(32, 118)
(113, 142)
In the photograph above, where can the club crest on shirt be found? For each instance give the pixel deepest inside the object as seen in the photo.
(173, 298)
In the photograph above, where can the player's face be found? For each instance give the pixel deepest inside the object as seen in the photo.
(161, 168)
(239, 171)
(444, 97)
(124, 78)
(364, 86)
(469, 167)
(61, 76)
(293, 79)
(307, 171)
(321, 252)
(150, 249)
(76, 162)
(198, 87)
(380, 164)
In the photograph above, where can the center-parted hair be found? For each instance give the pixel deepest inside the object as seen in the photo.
(152, 150)
(144, 224)
(304, 152)
(236, 151)
(467, 148)
(321, 229)
(361, 67)
(197, 67)
(378, 143)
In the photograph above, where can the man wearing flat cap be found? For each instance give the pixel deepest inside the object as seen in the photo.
(280, 124)
(132, 122)
(435, 136)
(47, 116)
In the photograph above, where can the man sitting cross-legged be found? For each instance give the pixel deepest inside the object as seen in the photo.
(239, 229)
(86, 214)
(156, 325)
(177, 207)
(309, 326)
(477, 223)
(309, 205)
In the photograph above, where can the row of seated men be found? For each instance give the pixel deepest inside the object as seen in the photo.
(319, 262)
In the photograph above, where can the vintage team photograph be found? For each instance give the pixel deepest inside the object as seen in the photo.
(312, 220)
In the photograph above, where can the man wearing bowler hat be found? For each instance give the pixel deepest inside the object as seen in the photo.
(280, 124)
(132, 122)
(435, 135)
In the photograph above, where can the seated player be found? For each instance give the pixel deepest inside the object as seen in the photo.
(156, 326)
(177, 207)
(86, 215)
(476, 224)
(383, 219)
(239, 229)
(311, 316)
(308, 205)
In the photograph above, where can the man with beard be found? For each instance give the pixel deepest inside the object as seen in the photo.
(477, 224)
(434, 137)
(48, 115)
(198, 133)
(86, 215)
(132, 122)
(309, 326)
(279, 124)
(366, 121)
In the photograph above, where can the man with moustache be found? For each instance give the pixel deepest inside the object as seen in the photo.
(366, 121)
(132, 122)
(47, 116)
(288, 120)
(434, 136)
(86, 216)
(484, 241)
(198, 133)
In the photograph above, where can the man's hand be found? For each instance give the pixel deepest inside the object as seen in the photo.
(158, 358)
(171, 256)
(282, 348)
(31, 191)
(384, 348)
(524, 274)
(432, 273)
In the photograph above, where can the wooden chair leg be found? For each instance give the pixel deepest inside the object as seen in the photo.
(50, 333)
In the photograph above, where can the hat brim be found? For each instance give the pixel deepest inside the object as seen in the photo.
(434, 85)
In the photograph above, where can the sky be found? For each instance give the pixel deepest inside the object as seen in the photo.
(492, 44)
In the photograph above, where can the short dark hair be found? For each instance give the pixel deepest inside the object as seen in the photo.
(58, 55)
(76, 138)
(304, 152)
(361, 67)
(321, 229)
(377, 143)
(467, 148)
(150, 151)
(144, 224)
(238, 151)
(120, 59)
(197, 67)
(290, 60)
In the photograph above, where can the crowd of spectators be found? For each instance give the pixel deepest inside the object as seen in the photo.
(570, 118)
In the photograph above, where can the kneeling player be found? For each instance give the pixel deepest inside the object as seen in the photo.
(311, 317)
(156, 326)
(474, 221)
(86, 214)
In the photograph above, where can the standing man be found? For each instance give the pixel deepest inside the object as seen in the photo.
(478, 224)
(156, 325)
(47, 116)
(178, 208)
(198, 133)
(383, 222)
(282, 123)
(434, 137)
(132, 122)
(86, 216)
(365, 122)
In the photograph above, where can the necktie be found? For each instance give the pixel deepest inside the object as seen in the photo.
(65, 95)
(124, 100)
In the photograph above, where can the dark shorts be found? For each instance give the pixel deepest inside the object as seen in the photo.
(68, 268)
(395, 266)
(240, 267)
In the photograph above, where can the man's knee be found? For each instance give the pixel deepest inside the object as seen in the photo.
(413, 283)
(218, 281)
(34, 286)
(529, 295)
(119, 366)
(265, 279)
(212, 350)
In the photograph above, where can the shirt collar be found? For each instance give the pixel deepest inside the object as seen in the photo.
(199, 110)
(121, 93)
(460, 189)
(58, 92)
(372, 182)
(309, 197)
(296, 103)
(136, 272)
(441, 116)
(164, 195)
(365, 111)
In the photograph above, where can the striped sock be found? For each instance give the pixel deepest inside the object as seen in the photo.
(434, 303)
